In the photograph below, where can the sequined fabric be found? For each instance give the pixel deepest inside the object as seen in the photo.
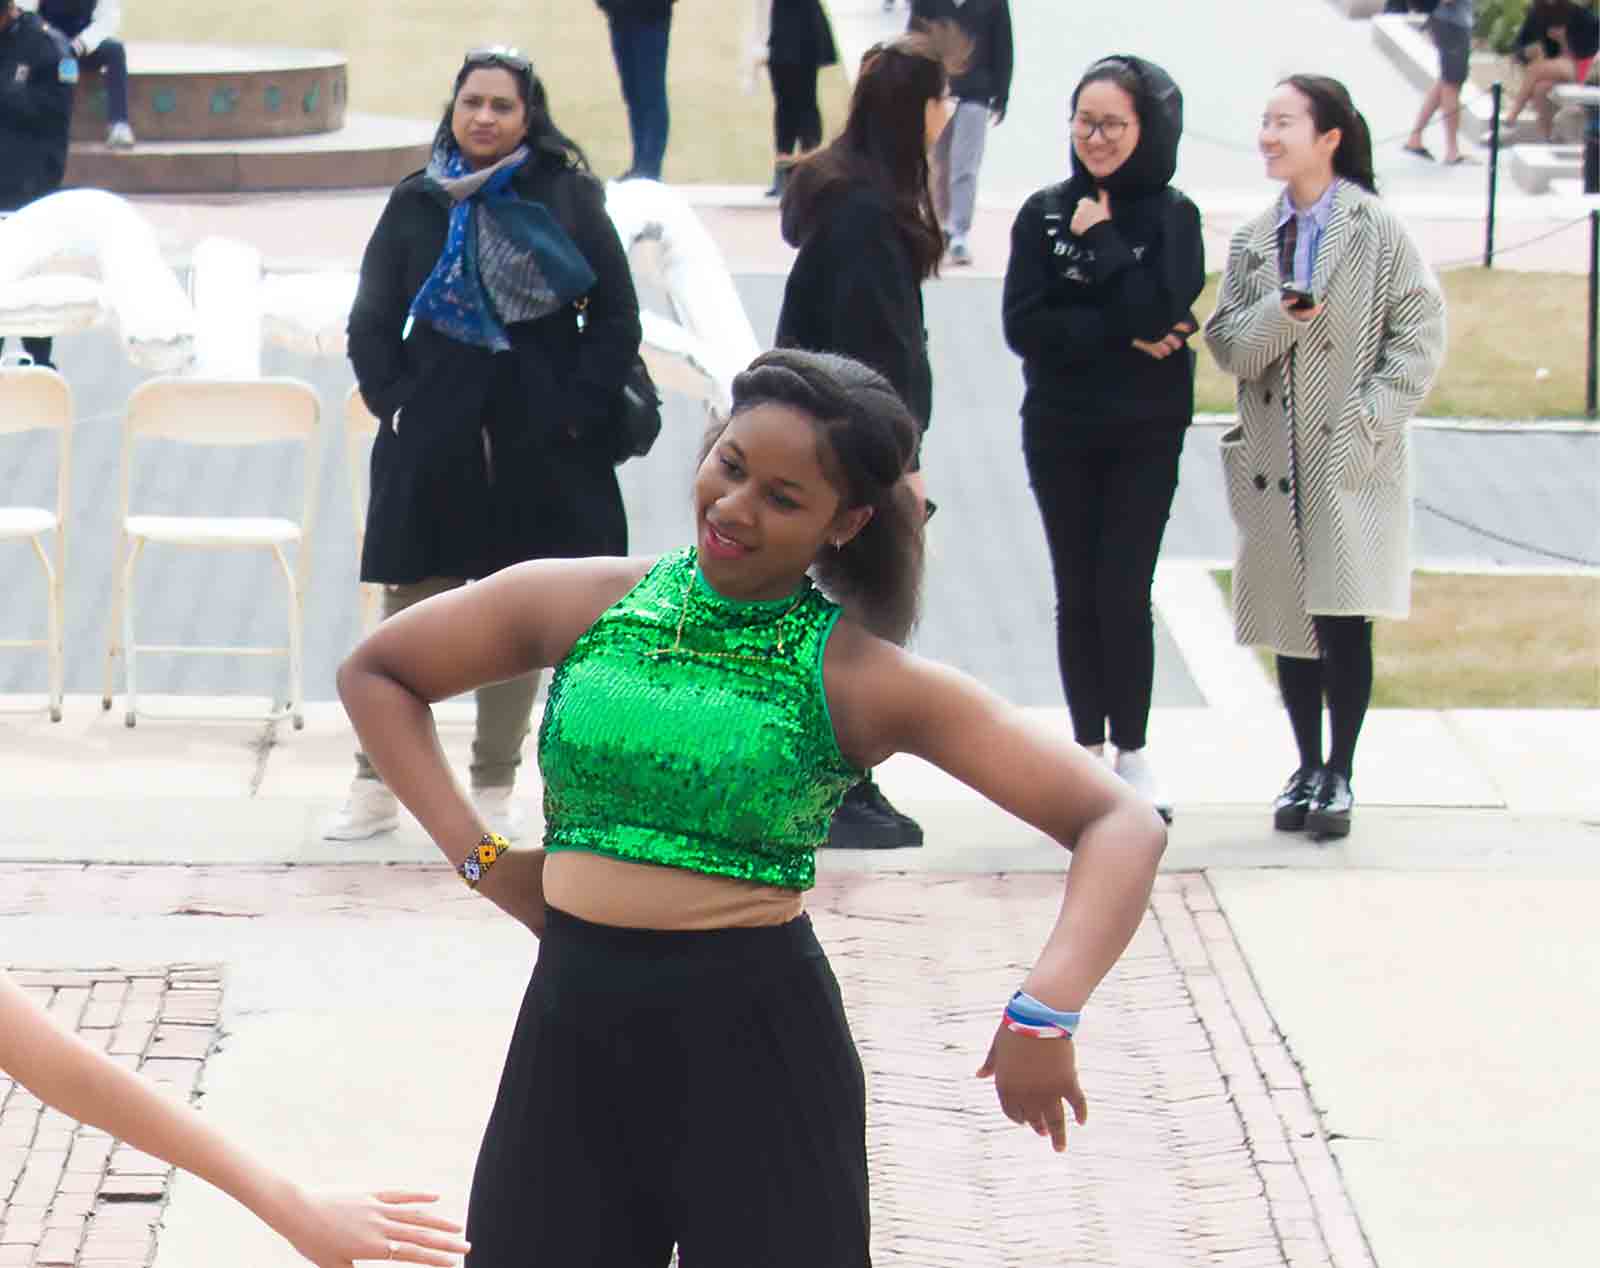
(678, 733)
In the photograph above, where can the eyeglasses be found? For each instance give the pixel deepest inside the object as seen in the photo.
(1112, 129)
(499, 55)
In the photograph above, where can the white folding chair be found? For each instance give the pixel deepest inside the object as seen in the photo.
(215, 412)
(33, 398)
(360, 427)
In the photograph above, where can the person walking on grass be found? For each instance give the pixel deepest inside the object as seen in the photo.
(495, 401)
(793, 40)
(682, 1071)
(981, 87)
(1104, 270)
(1450, 24)
(1318, 471)
(861, 214)
(330, 1230)
(641, 32)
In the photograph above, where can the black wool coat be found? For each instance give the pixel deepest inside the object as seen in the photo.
(487, 459)
(800, 35)
(854, 290)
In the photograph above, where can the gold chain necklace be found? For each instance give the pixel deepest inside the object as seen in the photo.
(678, 649)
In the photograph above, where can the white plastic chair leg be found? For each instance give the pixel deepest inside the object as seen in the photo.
(129, 660)
(52, 590)
(292, 582)
(114, 630)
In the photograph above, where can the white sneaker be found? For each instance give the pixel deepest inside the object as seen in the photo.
(369, 809)
(500, 813)
(120, 137)
(1135, 769)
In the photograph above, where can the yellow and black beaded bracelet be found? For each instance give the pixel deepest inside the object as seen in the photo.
(484, 856)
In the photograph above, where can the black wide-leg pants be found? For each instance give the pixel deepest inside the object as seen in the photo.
(695, 1089)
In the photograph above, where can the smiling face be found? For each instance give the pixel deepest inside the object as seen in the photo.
(764, 506)
(1104, 108)
(1289, 141)
(489, 118)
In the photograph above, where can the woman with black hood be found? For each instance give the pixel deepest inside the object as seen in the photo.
(1104, 269)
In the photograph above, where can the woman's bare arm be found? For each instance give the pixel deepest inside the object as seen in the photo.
(331, 1231)
(885, 700)
(523, 618)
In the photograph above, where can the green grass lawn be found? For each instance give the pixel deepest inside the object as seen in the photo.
(403, 56)
(1486, 642)
(1504, 328)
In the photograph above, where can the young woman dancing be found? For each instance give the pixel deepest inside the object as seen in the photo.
(682, 1071)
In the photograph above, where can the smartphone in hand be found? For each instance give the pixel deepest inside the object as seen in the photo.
(1297, 297)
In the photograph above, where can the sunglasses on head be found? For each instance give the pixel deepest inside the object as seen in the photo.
(500, 55)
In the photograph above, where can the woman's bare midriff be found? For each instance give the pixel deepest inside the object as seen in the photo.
(607, 891)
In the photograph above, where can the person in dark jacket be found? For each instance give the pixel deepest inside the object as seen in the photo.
(640, 33)
(90, 27)
(981, 87)
(799, 44)
(37, 71)
(493, 327)
(1097, 301)
(1556, 44)
(861, 214)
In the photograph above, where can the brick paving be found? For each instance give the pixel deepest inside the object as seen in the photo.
(1203, 1145)
(69, 1194)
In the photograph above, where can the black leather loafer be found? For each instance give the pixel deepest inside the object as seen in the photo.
(1329, 815)
(1289, 810)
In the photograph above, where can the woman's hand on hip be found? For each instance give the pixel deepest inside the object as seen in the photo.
(1091, 212)
(1032, 1077)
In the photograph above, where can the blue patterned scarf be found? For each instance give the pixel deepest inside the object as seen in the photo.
(505, 259)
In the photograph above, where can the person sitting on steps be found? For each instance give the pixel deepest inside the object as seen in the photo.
(90, 27)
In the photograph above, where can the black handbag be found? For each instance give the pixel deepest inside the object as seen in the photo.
(636, 415)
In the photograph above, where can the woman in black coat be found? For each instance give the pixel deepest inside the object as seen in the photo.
(1104, 268)
(861, 213)
(494, 324)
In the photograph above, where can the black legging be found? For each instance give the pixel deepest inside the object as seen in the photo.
(1343, 673)
(796, 117)
(1104, 493)
(39, 349)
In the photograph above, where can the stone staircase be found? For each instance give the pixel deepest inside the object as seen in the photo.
(220, 119)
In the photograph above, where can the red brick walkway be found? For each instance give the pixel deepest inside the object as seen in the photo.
(68, 1193)
(1202, 1148)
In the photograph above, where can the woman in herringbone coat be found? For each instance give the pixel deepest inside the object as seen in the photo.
(1334, 327)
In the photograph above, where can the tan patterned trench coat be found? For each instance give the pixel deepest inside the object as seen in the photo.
(1318, 469)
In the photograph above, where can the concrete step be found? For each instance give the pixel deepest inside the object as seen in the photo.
(209, 92)
(1534, 167)
(368, 151)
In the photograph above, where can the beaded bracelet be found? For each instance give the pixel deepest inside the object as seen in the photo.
(1025, 1015)
(491, 845)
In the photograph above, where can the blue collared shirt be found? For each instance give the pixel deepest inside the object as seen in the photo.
(1308, 231)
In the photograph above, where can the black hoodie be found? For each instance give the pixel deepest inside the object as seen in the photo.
(1073, 305)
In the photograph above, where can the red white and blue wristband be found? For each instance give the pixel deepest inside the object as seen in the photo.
(1025, 1015)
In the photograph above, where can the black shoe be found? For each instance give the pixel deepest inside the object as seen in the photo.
(1329, 815)
(1289, 810)
(780, 180)
(866, 821)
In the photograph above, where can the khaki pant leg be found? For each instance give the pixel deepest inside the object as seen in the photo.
(398, 599)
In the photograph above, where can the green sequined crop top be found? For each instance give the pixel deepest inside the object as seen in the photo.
(690, 730)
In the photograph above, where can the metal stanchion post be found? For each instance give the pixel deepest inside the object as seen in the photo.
(1594, 311)
(1494, 178)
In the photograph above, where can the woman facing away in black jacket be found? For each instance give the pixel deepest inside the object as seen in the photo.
(1104, 269)
(861, 213)
(494, 324)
